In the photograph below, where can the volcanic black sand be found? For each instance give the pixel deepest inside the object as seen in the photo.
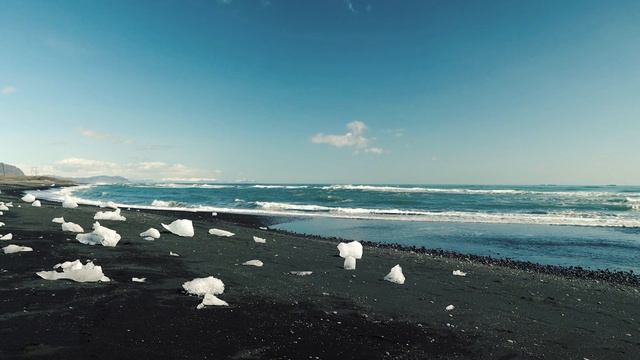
(517, 311)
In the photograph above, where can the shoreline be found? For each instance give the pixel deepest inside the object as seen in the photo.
(629, 278)
(500, 312)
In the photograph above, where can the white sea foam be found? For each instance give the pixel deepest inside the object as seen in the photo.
(309, 210)
(162, 203)
(280, 186)
(401, 189)
(183, 186)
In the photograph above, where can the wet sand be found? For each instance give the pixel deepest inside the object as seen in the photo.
(501, 312)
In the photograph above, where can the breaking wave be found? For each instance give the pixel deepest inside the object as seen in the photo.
(557, 218)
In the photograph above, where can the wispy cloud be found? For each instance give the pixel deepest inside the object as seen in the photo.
(76, 166)
(354, 138)
(8, 89)
(104, 136)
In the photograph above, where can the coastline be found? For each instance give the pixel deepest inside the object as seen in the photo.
(504, 309)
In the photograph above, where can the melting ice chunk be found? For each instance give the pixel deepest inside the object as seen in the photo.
(74, 270)
(10, 249)
(6, 237)
(203, 286)
(259, 240)
(257, 263)
(211, 300)
(180, 227)
(353, 248)
(71, 227)
(219, 232)
(459, 273)
(152, 233)
(69, 203)
(29, 198)
(395, 275)
(109, 215)
(36, 203)
(349, 263)
(108, 204)
(58, 220)
(100, 235)
(138, 280)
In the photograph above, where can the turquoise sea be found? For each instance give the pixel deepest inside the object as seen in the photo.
(588, 226)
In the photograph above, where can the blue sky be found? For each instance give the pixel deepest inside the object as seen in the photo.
(503, 92)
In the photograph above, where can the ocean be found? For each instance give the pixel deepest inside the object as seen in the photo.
(595, 227)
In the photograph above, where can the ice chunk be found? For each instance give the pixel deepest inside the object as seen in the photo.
(214, 214)
(9, 204)
(148, 238)
(449, 307)
(10, 249)
(74, 270)
(36, 203)
(139, 280)
(180, 227)
(6, 237)
(263, 228)
(259, 240)
(58, 220)
(109, 215)
(29, 198)
(203, 286)
(218, 232)
(349, 263)
(395, 275)
(257, 263)
(72, 227)
(4, 207)
(459, 273)
(100, 235)
(152, 233)
(1, 224)
(211, 300)
(69, 203)
(353, 248)
(301, 273)
(108, 204)
(171, 253)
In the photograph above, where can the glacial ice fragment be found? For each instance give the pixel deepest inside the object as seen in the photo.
(219, 232)
(109, 215)
(181, 227)
(395, 275)
(74, 270)
(72, 227)
(152, 232)
(10, 249)
(100, 235)
(257, 263)
(353, 248)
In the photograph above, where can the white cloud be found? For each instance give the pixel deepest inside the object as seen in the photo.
(80, 167)
(8, 89)
(355, 138)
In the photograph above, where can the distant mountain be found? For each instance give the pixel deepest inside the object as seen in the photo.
(9, 170)
(101, 180)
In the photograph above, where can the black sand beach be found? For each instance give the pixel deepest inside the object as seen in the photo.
(515, 311)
